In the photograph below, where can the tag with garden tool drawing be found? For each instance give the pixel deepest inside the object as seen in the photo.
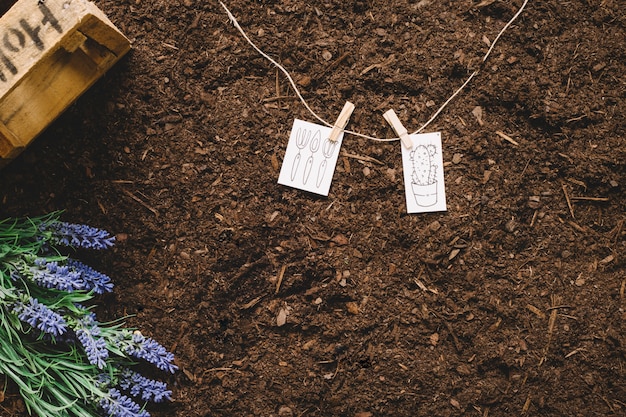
(312, 153)
(310, 158)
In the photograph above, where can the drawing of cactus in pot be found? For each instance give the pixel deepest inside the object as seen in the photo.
(424, 175)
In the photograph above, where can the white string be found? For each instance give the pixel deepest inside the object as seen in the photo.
(519, 12)
(291, 81)
(297, 91)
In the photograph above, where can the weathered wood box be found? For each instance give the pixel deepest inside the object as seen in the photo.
(51, 51)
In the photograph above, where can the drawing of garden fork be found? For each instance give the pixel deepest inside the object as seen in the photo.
(314, 146)
(302, 139)
(327, 150)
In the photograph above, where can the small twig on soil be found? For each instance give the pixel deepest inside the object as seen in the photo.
(617, 232)
(620, 402)
(575, 119)
(383, 64)
(524, 170)
(575, 181)
(555, 300)
(534, 219)
(603, 199)
(220, 370)
(247, 267)
(169, 45)
(361, 158)
(424, 288)
(526, 405)
(506, 137)
(279, 278)
(558, 307)
(484, 3)
(252, 303)
(277, 86)
(573, 352)
(562, 155)
(551, 324)
(279, 98)
(569, 202)
(608, 404)
(535, 310)
(577, 226)
(332, 66)
(140, 201)
(102, 208)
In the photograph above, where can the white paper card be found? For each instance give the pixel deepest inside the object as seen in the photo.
(423, 174)
(310, 158)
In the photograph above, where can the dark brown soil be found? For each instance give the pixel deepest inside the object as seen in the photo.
(510, 303)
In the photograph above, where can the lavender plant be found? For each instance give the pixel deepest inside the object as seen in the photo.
(63, 360)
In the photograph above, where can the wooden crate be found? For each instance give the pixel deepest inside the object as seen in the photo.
(51, 51)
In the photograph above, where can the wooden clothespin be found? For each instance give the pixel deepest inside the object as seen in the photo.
(342, 121)
(392, 118)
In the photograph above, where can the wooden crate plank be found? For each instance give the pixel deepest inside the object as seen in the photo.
(97, 26)
(35, 102)
(10, 145)
(51, 53)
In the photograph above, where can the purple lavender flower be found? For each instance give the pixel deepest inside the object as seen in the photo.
(52, 275)
(117, 405)
(148, 349)
(88, 334)
(93, 280)
(148, 389)
(78, 235)
(104, 381)
(40, 316)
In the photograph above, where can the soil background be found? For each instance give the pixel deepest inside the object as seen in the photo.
(510, 303)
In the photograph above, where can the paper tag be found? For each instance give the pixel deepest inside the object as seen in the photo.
(310, 158)
(423, 174)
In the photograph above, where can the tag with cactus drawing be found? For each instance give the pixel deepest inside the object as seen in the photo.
(423, 174)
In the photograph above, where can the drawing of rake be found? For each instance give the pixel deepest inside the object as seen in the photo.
(327, 150)
(302, 139)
